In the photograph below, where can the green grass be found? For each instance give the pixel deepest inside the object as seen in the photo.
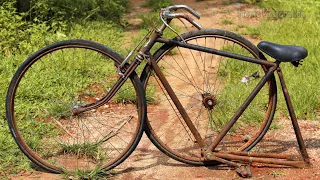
(290, 24)
(299, 27)
(253, 32)
(226, 22)
(234, 92)
(85, 149)
(97, 173)
(275, 126)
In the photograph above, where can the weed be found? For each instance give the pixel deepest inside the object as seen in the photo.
(97, 173)
(81, 150)
(276, 173)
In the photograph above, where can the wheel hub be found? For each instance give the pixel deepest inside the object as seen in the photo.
(209, 101)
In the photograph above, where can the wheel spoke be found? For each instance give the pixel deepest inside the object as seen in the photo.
(209, 87)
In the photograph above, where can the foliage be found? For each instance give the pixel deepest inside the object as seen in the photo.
(47, 21)
(17, 34)
(84, 9)
(156, 5)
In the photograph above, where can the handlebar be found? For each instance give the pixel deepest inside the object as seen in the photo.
(190, 10)
(166, 13)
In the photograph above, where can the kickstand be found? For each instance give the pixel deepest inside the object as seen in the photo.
(244, 171)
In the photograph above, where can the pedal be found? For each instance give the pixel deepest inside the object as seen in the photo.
(244, 171)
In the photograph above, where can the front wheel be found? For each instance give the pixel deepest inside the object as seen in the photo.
(211, 88)
(51, 84)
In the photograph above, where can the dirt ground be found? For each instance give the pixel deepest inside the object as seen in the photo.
(147, 162)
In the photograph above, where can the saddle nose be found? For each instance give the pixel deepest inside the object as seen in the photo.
(283, 53)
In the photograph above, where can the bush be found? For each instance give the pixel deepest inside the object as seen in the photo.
(47, 20)
(156, 5)
(17, 34)
(89, 9)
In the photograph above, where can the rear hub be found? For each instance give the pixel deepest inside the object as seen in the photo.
(209, 101)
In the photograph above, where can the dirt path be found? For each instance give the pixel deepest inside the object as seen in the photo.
(147, 162)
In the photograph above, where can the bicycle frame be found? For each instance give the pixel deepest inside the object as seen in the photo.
(208, 152)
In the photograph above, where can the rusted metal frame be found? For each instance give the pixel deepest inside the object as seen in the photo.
(168, 88)
(293, 117)
(177, 103)
(241, 109)
(217, 52)
(262, 130)
(128, 69)
(250, 159)
(111, 92)
(290, 157)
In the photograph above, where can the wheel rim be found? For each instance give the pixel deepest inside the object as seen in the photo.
(46, 130)
(209, 96)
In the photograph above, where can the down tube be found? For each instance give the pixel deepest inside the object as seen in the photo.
(242, 108)
(177, 103)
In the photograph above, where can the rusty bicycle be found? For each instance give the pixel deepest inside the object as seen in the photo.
(211, 97)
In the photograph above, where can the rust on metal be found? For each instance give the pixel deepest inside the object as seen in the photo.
(298, 164)
(294, 120)
(290, 157)
(177, 103)
(242, 108)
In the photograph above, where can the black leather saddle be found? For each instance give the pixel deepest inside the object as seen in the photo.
(283, 53)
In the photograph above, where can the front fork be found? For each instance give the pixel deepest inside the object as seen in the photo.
(124, 72)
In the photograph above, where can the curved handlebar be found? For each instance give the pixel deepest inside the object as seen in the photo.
(167, 14)
(190, 10)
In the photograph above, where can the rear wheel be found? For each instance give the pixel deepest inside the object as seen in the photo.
(55, 81)
(211, 88)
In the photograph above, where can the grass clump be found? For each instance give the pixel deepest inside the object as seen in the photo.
(97, 173)
(277, 173)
